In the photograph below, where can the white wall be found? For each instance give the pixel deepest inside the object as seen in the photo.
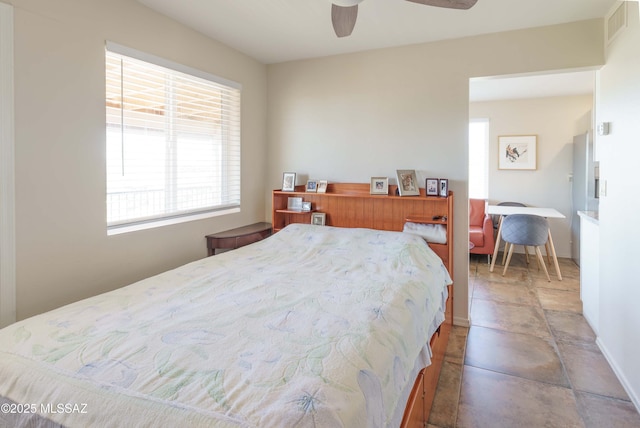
(62, 248)
(350, 117)
(618, 102)
(555, 121)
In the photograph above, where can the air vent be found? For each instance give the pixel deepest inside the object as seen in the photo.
(616, 21)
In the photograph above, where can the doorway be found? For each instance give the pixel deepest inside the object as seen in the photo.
(552, 106)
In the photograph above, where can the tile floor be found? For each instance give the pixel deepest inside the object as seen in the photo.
(529, 358)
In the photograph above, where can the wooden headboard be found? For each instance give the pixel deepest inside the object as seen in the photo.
(352, 205)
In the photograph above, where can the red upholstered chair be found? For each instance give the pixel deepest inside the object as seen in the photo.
(480, 229)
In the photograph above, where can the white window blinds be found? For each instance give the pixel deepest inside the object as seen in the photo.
(173, 139)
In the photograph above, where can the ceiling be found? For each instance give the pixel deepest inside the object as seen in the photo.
(274, 31)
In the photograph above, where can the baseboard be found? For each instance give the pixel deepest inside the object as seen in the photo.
(623, 380)
(462, 322)
(591, 324)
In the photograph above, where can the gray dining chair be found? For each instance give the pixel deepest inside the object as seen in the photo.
(496, 223)
(496, 218)
(527, 230)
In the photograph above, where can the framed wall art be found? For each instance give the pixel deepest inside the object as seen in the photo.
(517, 152)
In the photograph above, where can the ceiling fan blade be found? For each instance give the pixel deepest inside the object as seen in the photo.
(450, 4)
(343, 19)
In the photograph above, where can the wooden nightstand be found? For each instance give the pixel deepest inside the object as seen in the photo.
(235, 238)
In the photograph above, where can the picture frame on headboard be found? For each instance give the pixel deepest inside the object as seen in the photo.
(294, 204)
(431, 187)
(322, 186)
(312, 186)
(443, 187)
(288, 181)
(379, 186)
(407, 182)
(318, 219)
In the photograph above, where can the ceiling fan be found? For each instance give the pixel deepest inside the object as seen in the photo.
(345, 12)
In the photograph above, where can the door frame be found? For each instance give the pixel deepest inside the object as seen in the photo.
(7, 171)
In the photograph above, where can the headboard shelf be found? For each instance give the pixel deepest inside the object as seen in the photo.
(355, 190)
(352, 205)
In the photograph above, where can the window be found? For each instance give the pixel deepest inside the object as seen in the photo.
(173, 141)
(479, 159)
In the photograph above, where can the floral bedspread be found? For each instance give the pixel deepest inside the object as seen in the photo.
(312, 327)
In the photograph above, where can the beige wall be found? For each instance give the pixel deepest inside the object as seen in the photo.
(555, 121)
(62, 248)
(618, 102)
(350, 117)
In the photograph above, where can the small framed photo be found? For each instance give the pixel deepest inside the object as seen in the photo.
(407, 182)
(322, 186)
(443, 187)
(306, 206)
(379, 186)
(288, 181)
(431, 186)
(312, 186)
(318, 219)
(294, 204)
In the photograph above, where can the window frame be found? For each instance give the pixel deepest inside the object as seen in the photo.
(141, 223)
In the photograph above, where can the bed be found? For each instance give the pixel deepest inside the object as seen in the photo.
(314, 326)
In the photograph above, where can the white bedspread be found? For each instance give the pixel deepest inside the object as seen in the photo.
(314, 326)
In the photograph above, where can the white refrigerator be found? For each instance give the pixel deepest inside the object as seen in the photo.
(584, 188)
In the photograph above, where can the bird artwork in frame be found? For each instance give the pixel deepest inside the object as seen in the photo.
(517, 152)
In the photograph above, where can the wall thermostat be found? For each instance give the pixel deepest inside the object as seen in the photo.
(603, 128)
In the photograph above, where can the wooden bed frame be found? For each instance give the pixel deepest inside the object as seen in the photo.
(352, 205)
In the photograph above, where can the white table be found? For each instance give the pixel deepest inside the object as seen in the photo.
(542, 212)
